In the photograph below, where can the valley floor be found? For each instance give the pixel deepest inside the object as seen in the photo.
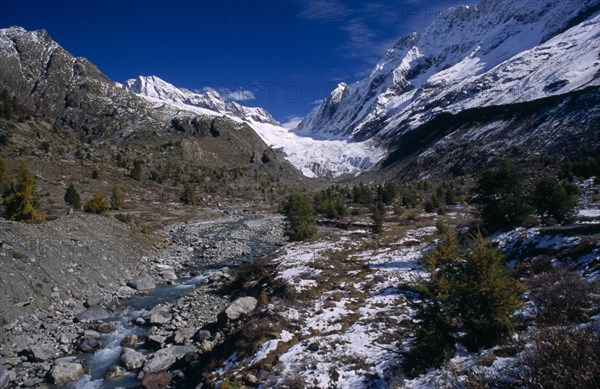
(337, 311)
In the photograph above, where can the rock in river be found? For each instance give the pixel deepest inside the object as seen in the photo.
(94, 313)
(132, 359)
(142, 283)
(159, 315)
(63, 373)
(87, 344)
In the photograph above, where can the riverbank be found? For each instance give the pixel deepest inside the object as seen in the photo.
(186, 268)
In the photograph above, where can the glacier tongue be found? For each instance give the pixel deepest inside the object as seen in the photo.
(315, 157)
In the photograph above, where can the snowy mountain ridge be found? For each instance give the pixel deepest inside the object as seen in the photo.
(498, 52)
(314, 157)
(157, 89)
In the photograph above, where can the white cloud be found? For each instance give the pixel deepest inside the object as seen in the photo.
(324, 10)
(227, 94)
(292, 122)
(238, 95)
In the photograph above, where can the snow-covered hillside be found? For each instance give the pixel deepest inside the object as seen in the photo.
(498, 52)
(313, 156)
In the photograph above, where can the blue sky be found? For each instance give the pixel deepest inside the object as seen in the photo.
(282, 55)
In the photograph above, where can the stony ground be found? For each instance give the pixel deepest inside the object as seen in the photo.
(86, 264)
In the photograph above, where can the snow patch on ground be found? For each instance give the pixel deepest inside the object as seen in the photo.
(345, 331)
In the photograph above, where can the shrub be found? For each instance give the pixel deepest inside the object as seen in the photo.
(551, 200)
(563, 297)
(124, 217)
(4, 139)
(19, 255)
(413, 216)
(137, 170)
(501, 197)
(99, 205)
(5, 178)
(562, 358)
(117, 198)
(72, 197)
(387, 193)
(300, 221)
(45, 146)
(377, 218)
(189, 195)
(361, 194)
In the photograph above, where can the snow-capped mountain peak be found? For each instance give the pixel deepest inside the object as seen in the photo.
(209, 102)
(469, 56)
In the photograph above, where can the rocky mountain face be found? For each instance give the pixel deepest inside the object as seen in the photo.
(496, 54)
(76, 96)
(314, 156)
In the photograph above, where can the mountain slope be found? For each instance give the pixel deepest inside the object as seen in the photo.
(76, 97)
(499, 52)
(314, 156)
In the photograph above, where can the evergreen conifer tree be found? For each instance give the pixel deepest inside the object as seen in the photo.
(300, 217)
(72, 197)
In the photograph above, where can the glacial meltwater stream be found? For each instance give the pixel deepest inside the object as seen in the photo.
(255, 233)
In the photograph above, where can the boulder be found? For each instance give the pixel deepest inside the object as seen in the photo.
(161, 360)
(169, 275)
(42, 354)
(156, 341)
(130, 341)
(4, 377)
(202, 335)
(132, 359)
(184, 334)
(313, 347)
(250, 379)
(106, 328)
(93, 301)
(94, 313)
(206, 346)
(87, 344)
(142, 283)
(63, 373)
(114, 372)
(159, 315)
(92, 334)
(237, 309)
